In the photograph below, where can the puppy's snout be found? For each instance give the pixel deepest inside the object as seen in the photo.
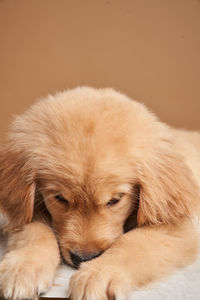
(78, 258)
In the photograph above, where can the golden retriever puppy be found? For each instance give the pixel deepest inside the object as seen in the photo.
(94, 177)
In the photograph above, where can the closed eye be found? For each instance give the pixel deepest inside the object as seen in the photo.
(113, 201)
(61, 199)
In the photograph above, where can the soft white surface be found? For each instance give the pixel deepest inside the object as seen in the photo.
(182, 285)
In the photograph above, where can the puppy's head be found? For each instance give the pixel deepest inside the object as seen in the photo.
(88, 155)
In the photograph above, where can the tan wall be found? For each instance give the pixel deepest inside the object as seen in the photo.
(149, 49)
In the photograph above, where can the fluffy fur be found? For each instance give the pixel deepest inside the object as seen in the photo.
(66, 159)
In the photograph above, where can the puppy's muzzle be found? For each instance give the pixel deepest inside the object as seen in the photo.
(78, 258)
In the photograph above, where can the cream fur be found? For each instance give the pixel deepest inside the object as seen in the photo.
(91, 146)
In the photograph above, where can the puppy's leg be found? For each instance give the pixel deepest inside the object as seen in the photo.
(136, 259)
(29, 266)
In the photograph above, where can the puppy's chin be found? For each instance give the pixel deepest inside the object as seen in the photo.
(66, 258)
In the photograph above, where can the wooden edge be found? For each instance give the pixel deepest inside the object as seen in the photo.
(54, 298)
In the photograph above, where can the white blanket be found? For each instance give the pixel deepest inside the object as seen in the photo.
(182, 285)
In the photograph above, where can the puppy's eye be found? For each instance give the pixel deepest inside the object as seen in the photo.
(113, 201)
(60, 198)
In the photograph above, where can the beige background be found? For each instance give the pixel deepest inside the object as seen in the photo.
(149, 49)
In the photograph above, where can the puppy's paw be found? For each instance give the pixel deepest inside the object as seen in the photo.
(25, 275)
(96, 281)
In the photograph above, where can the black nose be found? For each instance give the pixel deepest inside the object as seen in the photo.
(78, 258)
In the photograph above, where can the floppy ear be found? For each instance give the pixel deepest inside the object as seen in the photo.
(17, 187)
(168, 191)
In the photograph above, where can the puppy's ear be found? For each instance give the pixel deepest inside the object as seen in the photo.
(168, 191)
(17, 187)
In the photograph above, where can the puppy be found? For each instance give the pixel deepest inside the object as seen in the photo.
(94, 177)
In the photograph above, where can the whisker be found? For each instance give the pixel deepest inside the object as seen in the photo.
(45, 199)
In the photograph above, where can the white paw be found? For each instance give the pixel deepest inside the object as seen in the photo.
(25, 276)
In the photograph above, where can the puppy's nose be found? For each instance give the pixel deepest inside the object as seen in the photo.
(78, 258)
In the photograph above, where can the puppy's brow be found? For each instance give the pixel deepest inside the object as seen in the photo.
(125, 188)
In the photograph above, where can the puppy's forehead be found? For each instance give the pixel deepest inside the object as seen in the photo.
(82, 119)
(85, 135)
